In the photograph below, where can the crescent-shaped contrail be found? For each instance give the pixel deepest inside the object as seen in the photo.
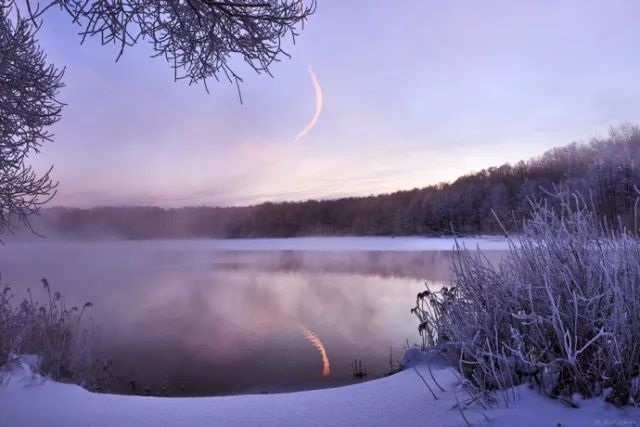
(319, 101)
(315, 341)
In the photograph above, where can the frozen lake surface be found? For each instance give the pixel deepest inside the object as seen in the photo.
(382, 243)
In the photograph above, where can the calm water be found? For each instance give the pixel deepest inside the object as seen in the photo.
(202, 321)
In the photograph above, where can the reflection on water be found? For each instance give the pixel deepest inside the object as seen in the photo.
(317, 343)
(185, 320)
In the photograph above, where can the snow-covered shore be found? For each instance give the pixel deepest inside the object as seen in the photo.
(372, 243)
(318, 243)
(402, 399)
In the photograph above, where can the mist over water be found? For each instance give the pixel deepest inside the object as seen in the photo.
(190, 319)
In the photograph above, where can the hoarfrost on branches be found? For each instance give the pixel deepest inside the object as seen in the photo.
(29, 106)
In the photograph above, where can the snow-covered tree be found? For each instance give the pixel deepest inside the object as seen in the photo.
(199, 38)
(29, 87)
(560, 310)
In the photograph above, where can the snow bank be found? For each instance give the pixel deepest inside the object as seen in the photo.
(399, 400)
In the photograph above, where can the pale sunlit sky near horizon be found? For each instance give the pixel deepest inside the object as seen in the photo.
(415, 92)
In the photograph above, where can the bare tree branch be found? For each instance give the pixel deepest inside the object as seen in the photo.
(28, 107)
(199, 38)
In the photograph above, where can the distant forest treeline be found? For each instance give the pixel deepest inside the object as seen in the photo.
(606, 169)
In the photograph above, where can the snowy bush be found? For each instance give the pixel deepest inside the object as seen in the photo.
(560, 311)
(58, 336)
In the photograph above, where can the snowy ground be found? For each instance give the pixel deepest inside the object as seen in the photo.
(309, 244)
(399, 400)
(380, 243)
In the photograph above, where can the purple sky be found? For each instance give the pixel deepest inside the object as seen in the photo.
(415, 92)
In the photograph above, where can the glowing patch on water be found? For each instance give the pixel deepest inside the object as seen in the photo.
(315, 341)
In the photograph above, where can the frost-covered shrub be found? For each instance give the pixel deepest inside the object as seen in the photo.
(59, 337)
(561, 310)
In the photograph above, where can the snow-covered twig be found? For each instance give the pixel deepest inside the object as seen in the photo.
(561, 310)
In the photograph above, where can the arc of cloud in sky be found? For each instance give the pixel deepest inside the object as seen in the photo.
(319, 102)
(315, 341)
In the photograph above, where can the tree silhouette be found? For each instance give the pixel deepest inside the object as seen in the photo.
(199, 38)
(606, 171)
(28, 107)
